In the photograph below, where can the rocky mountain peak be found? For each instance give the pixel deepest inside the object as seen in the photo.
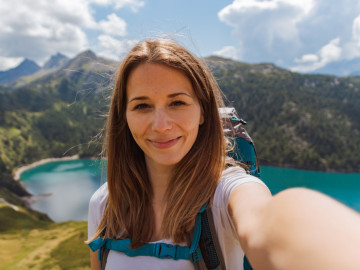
(56, 61)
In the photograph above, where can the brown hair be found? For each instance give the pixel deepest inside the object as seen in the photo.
(128, 213)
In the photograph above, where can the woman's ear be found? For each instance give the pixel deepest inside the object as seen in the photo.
(201, 119)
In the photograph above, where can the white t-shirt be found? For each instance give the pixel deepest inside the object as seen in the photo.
(229, 243)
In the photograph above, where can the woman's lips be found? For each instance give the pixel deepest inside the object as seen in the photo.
(163, 144)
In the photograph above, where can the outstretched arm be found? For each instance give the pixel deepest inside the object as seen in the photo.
(94, 261)
(296, 229)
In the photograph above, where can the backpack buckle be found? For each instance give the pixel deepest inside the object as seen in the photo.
(196, 256)
(165, 251)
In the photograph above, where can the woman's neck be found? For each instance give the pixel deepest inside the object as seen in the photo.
(159, 177)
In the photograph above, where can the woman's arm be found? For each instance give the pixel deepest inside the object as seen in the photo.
(94, 260)
(295, 229)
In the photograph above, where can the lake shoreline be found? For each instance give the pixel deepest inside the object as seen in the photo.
(82, 177)
(29, 199)
(35, 164)
(40, 162)
(313, 169)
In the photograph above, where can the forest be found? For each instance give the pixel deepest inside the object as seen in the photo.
(301, 121)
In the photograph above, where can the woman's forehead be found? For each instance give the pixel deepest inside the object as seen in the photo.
(157, 79)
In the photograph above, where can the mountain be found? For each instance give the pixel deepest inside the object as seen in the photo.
(296, 120)
(85, 69)
(56, 61)
(341, 68)
(88, 67)
(306, 121)
(27, 67)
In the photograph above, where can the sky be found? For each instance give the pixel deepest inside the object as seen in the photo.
(301, 35)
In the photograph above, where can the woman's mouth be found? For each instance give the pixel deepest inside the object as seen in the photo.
(163, 144)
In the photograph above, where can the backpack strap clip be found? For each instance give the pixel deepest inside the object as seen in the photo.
(165, 251)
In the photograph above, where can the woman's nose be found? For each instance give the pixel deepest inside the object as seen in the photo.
(162, 121)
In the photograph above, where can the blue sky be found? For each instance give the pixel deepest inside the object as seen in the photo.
(302, 35)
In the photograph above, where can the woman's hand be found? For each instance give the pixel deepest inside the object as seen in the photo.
(296, 229)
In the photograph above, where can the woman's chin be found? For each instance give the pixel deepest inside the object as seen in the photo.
(163, 162)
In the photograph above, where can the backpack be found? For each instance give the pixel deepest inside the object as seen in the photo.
(204, 250)
(243, 146)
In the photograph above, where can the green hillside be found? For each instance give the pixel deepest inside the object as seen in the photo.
(300, 121)
(59, 114)
(31, 243)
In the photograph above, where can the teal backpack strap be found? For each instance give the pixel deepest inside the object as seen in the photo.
(204, 251)
(247, 265)
(159, 250)
(209, 244)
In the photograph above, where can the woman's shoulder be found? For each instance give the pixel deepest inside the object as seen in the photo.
(96, 209)
(236, 175)
(100, 194)
(232, 178)
(98, 199)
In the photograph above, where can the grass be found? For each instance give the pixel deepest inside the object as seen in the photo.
(30, 243)
(63, 254)
(13, 220)
(10, 197)
(13, 132)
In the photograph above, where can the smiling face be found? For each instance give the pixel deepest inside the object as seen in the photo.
(163, 113)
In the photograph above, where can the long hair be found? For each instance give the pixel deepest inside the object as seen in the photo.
(129, 213)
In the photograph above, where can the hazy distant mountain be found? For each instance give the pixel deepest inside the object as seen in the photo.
(86, 70)
(27, 67)
(87, 61)
(56, 61)
(83, 69)
(341, 68)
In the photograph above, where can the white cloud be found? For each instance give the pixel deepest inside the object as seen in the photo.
(266, 27)
(113, 26)
(134, 5)
(352, 47)
(329, 53)
(295, 32)
(356, 29)
(37, 29)
(42, 30)
(306, 58)
(278, 18)
(244, 6)
(6, 62)
(112, 48)
(228, 52)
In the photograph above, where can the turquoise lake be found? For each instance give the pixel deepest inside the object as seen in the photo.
(66, 186)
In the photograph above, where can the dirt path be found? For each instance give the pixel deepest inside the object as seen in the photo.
(32, 250)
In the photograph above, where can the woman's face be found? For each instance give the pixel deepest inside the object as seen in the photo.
(163, 113)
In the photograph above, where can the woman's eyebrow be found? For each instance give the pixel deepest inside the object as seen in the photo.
(170, 96)
(178, 94)
(138, 98)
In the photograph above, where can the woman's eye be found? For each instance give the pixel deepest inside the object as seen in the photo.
(141, 106)
(178, 103)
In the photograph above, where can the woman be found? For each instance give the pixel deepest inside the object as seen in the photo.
(166, 159)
